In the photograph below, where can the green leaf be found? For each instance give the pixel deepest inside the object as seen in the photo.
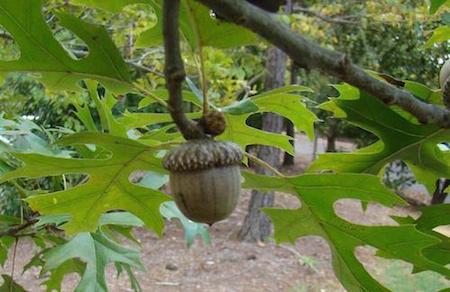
(120, 218)
(432, 217)
(114, 6)
(10, 285)
(199, 28)
(436, 4)
(440, 34)
(25, 136)
(424, 93)
(290, 107)
(318, 195)
(241, 107)
(104, 106)
(188, 96)
(41, 53)
(280, 101)
(140, 120)
(191, 229)
(57, 274)
(96, 251)
(400, 139)
(108, 187)
(163, 134)
(5, 243)
(240, 133)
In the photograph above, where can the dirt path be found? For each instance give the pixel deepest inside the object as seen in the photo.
(229, 265)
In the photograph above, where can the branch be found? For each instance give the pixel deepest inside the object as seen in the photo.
(144, 68)
(17, 228)
(174, 71)
(325, 18)
(308, 54)
(439, 194)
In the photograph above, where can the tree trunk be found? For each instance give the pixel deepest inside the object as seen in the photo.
(257, 226)
(290, 129)
(331, 143)
(331, 133)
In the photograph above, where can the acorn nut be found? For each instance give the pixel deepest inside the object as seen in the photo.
(205, 178)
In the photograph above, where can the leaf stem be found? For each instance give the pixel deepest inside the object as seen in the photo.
(201, 57)
(147, 92)
(263, 164)
(203, 78)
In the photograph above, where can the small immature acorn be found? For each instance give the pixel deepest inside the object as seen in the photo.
(213, 123)
(205, 178)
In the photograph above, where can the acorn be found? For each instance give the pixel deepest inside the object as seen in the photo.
(213, 123)
(205, 178)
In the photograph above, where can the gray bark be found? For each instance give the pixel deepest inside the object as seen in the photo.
(257, 226)
(290, 129)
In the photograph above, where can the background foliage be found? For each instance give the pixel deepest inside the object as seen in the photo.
(83, 128)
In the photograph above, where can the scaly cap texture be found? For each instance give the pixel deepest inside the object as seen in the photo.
(202, 154)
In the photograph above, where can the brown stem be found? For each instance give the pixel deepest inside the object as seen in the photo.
(310, 55)
(174, 71)
(17, 228)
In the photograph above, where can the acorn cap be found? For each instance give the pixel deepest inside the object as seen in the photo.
(202, 154)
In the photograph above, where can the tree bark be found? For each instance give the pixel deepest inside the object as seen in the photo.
(332, 133)
(439, 194)
(257, 226)
(290, 129)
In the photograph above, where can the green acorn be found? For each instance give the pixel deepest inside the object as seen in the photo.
(205, 178)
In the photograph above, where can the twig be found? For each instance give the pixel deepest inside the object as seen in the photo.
(168, 283)
(249, 84)
(13, 267)
(144, 68)
(263, 164)
(174, 71)
(309, 54)
(338, 20)
(17, 228)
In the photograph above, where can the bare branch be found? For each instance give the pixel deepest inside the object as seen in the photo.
(174, 71)
(144, 68)
(13, 231)
(310, 55)
(338, 20)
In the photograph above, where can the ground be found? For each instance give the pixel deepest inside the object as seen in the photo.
(230, 265)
